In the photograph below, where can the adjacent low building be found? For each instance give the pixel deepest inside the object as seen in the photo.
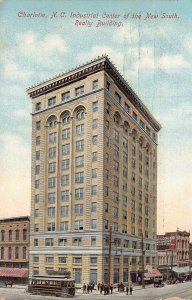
(14, 247)
(173, 251)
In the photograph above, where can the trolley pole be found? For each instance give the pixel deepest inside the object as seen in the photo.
(143, 256)
(109, 266)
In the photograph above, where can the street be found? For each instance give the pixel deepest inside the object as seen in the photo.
(182, 290)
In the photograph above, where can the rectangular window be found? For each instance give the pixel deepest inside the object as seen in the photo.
(52, 167)
(117, 97)
(115, 227)
(65, 195)
(95, 106)
(51, 101)
(78, 225)
(95, 84)
(37, 170)
(93, 224)
(94, 123)
(37, 198)
(80, 129)
(49, 242)
(79, 91)
(106, 224)
(93, 241)
(134, 115)
(77, 274)
(94, 156)
(79, 161)
(115, 212)
(93, 260)
(66, 133)
(65, 164)
(52, 152)
(51, 182)
(79, 177)
(35, 259)
(38, 155)
(116, 150)
(36, 227)
(142, 124)
(125, 143)
(36, 213)
(116, 166)
(125, 200)
(49, 259)
(108, 85)
(51, 227)
(77, 260)
(37, 184)
(38, 125)
(77, 241)
(108, 107)
(94, 190)
(79, 193)
(115, 197)
(51, 212)
(126, 107)
(80, 145)
(51, 197)
(64, 211)
(64, 180)
(38, 106)
(125, 157)
(36, 242)
(116, 135)
(106, 207)
(62, 259)
(95, 140)
(62, 242)
(93, 206)
(79, 209)
(116, 181)
(65, 96)
(94, 173)
(64, 226)
(52, 138)
(65, 149)
(38, 140)
(148, 130)
(124, 171)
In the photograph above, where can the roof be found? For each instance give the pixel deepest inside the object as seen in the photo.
(153, 273)
(81, 72)
(15, 219)
(14, 272)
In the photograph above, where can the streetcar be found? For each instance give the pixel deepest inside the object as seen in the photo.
(52, 285)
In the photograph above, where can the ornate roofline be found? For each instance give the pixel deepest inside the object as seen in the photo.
(81, 72)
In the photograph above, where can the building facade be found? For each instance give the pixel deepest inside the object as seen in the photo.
(173, 249)
(14, 242)
(94, 165)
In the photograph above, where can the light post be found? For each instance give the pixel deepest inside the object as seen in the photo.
(143, 263)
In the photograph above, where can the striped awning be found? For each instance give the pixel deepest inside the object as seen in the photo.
(153, 273)
(14, 272)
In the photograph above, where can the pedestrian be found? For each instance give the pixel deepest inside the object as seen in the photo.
(101, 288)
(131, 288)
(91, 288)
(84, 288)
(88, 287)
(127, 289)
(118, 287)
(98, 286)
(111, 288)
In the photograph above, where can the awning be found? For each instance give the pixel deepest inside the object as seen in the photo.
(181, 270)
(153, 273)
(14, 272)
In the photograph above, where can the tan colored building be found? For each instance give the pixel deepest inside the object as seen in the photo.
(14, 242)
(94, 165)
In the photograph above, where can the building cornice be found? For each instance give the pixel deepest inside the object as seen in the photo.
(79, 73)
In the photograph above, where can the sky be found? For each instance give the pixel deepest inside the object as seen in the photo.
(153, 54)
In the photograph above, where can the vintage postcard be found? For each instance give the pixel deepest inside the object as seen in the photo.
(96, 126)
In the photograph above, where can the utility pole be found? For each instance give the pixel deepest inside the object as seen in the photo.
(143, 264)
(109, 262)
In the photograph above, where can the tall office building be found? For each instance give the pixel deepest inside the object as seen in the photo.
(94, 165)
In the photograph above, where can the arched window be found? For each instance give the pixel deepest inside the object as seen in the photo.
(52, 122)
(24, 234)
(117, 118)
(80, 115)
(17, 234)
(126, 127)
(24, 252)
(2, 252)
(134, 135)
(10, 235)
(66, 118)
(2, 235)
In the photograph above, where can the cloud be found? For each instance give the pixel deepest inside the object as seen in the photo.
(15, 178)
(126, 34)
(173, 62)
(15, 72)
